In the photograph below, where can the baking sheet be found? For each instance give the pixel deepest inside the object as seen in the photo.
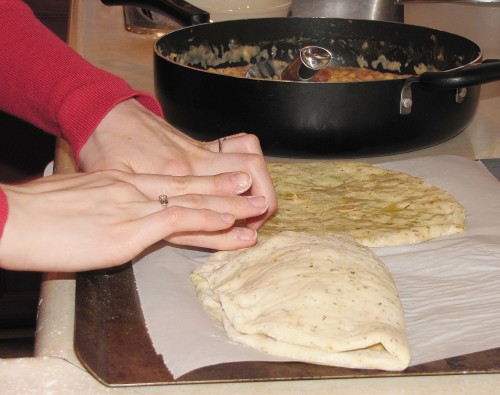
(449, 286)
(112, 343)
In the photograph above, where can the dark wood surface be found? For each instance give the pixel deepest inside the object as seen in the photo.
(112, 342)
(111, 339)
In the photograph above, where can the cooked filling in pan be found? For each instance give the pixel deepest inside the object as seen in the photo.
(329, 74)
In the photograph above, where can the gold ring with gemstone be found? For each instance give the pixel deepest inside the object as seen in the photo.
(220, 140)
(163, 201)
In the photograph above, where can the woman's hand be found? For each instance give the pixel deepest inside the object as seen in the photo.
(95, 220)
(131, 138)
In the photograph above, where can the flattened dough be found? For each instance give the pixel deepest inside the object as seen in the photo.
(378, 207)
(318, 299)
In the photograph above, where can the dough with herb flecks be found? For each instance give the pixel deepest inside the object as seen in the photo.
(378, 207)
(318, 299)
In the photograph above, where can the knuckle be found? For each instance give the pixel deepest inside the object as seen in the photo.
(181, 184)
(252, 138)
(112, 173)
(182, 218)
(252, 141)
(175, 214)
(124, 191)
(193, 201)
(255, 161)
(178, 167)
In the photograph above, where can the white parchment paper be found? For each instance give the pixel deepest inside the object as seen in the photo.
(450, 286)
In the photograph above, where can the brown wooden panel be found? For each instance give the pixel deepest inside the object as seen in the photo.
(112, 342)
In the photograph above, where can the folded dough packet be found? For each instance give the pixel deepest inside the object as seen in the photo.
(317, 299)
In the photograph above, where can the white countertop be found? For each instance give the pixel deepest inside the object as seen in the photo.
(97, 32)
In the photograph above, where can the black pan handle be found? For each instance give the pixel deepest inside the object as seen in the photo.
(474, 74)
(182, 11)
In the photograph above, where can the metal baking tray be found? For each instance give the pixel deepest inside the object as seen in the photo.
(112, 342)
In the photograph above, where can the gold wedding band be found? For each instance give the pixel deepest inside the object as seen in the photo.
(163, 201)
(220, 140)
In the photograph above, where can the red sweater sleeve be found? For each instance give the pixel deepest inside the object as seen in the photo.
(3, 211)
(45, 82)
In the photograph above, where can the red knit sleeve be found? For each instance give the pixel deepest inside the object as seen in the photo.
(49, 85)
(4, 209)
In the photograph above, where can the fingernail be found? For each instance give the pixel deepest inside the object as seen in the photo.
(245, 234)
(241, 182)
(229, 218)
(257, 201)
(255, 225)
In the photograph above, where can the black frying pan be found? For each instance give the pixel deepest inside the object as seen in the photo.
(314, 119)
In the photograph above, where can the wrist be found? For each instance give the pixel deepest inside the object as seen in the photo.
(117, 127)
(113, 119)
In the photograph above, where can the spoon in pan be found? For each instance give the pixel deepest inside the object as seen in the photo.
(311, 59)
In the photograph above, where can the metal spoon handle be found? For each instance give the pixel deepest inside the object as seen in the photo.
(310, 60)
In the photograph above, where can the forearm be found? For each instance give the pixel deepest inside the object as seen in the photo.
(51, 86)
